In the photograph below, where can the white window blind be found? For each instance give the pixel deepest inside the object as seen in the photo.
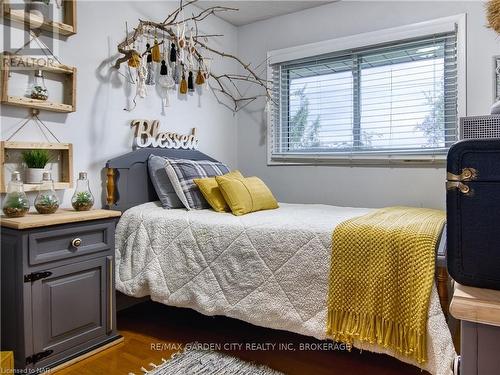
(395, 98)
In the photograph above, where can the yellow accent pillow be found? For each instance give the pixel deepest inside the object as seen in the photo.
(244, 195)
(210, 190)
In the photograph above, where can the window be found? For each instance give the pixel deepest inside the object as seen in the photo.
(380, 101)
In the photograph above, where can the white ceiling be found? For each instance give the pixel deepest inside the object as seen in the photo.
(252, 11)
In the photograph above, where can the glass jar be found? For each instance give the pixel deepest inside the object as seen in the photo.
(46, 202)
(82, 200)
(38, 89)
(16, 203)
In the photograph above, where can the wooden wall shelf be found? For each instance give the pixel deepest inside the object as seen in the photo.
(38, 104)
(66, 162)
(9, 62)
(66, 28)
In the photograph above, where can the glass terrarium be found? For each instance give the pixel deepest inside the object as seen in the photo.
(46, 202)
(16, 203)
(82, 200)
(38, 89)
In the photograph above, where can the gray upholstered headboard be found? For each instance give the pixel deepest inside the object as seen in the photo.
(128, 183)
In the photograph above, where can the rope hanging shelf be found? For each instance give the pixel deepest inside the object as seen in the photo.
(33, 20)
(12, 62)
(10, 152)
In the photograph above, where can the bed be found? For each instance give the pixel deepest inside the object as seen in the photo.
(268, 268)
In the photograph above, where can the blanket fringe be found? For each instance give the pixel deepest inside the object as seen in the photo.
(347, 326)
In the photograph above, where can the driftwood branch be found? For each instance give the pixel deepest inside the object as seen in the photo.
(204, 14)
(224, 84)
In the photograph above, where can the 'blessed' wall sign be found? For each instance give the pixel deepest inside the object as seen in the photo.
(147, 135)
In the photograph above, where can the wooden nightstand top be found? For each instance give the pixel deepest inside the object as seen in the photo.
(476, 305)
(62, 216)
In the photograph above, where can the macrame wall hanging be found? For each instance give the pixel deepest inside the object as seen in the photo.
(175, 55)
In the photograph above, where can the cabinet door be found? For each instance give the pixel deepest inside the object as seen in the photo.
(69, 306)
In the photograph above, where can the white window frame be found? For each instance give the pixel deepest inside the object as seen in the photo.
(457, 22)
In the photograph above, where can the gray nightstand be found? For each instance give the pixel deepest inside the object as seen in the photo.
(57, 291)
(479, 313)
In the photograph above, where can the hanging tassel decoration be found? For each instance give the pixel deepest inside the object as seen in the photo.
(173, 53)
(141, 80)
(176, 74)
(163, 68)
(150, 76)
(206, 72)
(190, 44)
(135, 60)
(181, 41)
(200, 80)
(155, 51)
(182, 55)
(183, 87)
(166, 83)
(181, 35)
(190, 82)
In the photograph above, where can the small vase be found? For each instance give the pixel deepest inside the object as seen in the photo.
(16, 203)
(46, 202)
(82, 200)
(34, 175)
(38, 89)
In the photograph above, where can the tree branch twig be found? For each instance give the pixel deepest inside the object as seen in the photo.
(201, 52)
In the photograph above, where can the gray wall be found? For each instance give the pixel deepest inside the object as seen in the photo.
(358, 186)
(100, 128)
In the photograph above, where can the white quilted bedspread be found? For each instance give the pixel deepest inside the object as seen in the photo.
(269, 268)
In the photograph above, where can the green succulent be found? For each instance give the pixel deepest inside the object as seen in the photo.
(38, 92)
(36, 158)
(46, 204)
(16, 200)
(48, 200)
(83, 197)
(82, 201)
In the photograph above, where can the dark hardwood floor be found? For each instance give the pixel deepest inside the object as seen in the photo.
(153, 331)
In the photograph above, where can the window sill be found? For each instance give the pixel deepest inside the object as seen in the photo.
(393, 161)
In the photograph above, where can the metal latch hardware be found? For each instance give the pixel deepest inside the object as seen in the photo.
(457, 181)
(38, 356)
(34, 276)
(464, 189)
(468, 174)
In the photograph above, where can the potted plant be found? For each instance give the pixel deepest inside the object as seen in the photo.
(35, 161)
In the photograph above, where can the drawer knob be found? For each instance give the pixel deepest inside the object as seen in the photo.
(76, 242)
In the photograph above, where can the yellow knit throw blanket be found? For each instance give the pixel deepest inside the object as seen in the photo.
(381, 276)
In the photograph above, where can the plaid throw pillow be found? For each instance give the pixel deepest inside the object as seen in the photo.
(181, 173)
(164, 189)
